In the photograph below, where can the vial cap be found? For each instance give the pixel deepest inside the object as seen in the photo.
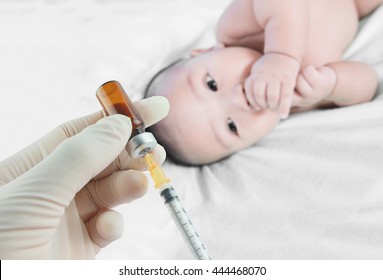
(141, 144)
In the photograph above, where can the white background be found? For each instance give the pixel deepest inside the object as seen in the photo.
(55, 53)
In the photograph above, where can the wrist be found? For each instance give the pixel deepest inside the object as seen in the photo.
(288, 59)
(282, 61)
(297, 59)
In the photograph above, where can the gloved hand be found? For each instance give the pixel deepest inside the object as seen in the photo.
(56, 194)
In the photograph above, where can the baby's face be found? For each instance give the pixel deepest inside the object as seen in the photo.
(209, 113)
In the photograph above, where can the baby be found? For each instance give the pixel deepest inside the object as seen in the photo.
(272, 57)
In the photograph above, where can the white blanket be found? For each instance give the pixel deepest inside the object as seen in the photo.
(312, 189)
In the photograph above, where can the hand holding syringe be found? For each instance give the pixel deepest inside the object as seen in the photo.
(115, 101)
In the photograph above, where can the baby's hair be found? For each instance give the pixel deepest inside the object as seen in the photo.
(148, 91)
(164, 137)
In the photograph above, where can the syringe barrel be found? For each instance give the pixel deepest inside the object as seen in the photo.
(184, 224)
(114, 100)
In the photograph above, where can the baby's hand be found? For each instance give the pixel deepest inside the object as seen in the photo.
(313, 85)
(271, 83)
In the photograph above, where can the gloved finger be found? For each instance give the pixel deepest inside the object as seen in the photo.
(158, 153)
(104, 228)
(118, 188)
(151, 110)
(56, 179)
(48, 189)
(124, 161)
(28, 157)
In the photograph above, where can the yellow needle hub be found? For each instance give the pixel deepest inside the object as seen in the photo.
(156, 172)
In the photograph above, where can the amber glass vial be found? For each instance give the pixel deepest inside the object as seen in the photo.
(114, 100)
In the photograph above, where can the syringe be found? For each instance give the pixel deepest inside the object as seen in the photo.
(114, 100)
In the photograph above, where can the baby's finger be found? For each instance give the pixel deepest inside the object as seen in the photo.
(119, 188)
(273, 94)
(259, 89)
(285, 101)
(296, 100)
(311, 75)
(320, 79)
(249, 93)
(303, 87)
(328, 73)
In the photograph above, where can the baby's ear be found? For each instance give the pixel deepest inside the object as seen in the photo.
(197, 52)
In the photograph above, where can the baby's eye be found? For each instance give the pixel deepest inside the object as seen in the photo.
(231, 126)
(211, 84)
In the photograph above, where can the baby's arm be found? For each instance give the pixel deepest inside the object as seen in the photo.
(284, 23)
(337, 84)
(273, 77)
(237, 26)
(356, 83)
(286, 26)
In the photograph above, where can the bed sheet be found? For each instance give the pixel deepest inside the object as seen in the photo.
(312, 189)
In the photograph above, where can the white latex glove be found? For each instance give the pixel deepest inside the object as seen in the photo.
(56, 194)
